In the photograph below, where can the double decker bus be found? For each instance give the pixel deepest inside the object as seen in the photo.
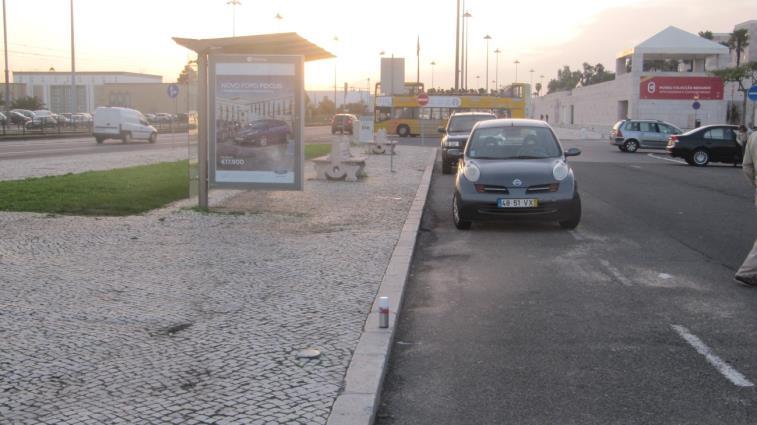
(403, 116)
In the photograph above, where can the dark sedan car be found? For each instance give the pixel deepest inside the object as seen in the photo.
(515, 169)
(263, 132)
(343, 123)
(456, 134)
(711, 143)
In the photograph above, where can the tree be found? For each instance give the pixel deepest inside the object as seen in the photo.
(31, 103)
(706, 34)
(326, 107)
(739, 74)
(537, 86)
(738, 41)
(188, 75)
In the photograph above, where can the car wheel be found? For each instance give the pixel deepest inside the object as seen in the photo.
(127, 137)
(403, 131)
(621, 148)
(99, 140)
(456, 217)
(631, 146)
(575, 216)
(700, 157)
(153, 137)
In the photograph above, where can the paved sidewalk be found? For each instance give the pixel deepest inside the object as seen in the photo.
(183, 317)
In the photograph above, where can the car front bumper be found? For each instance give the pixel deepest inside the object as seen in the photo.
(551, 207)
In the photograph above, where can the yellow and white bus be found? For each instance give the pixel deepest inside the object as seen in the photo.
(404, 116)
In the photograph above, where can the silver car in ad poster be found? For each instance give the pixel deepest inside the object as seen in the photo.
(515, 169)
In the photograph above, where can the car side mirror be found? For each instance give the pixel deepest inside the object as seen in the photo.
(573, 152)
(441, 130)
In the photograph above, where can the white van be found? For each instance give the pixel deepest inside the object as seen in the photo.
(122, 123)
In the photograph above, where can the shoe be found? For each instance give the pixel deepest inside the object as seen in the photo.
(745, 282)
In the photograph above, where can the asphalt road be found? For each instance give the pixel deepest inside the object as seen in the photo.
(37, 148)
(633, 318)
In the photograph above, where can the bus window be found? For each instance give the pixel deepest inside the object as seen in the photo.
(425, 113)
(405, 113)
(383, 114)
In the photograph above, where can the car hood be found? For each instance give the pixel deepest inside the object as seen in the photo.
(503, 172)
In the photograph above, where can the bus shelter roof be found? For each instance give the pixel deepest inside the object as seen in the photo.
(288, 43)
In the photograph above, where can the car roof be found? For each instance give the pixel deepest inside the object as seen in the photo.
(467, 114)
(512, 122)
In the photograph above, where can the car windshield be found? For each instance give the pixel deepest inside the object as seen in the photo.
(465, 123)
(513, 143)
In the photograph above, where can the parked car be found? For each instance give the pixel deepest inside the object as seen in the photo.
(515, 169)
(18, 118)
(630, 135)
(25, 112)
(151, 118)
(711, 143)
(343, 123)
(122, 123)
(164, 117)
(263, 132)
(456, 134)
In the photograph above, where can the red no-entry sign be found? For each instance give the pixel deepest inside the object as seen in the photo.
(422, 99)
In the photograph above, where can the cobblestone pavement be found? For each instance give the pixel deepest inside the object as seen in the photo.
(183, 317)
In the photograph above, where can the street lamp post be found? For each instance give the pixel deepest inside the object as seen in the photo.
(234, 4)
(516, 69)
(487, 38)
(478, 86)
(496, 69)
(336, 40)
(278, 18)
(457, 46)
(73, 64)
(5, 44)
(433, 63)
(541, 80)
(465, 45)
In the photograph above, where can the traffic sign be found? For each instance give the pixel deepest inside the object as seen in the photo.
(696, 105)
(422, 99)
(752, 93)
(172, 90)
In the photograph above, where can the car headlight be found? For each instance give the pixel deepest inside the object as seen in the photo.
(453, 143)
(471, 172)
(560, 171)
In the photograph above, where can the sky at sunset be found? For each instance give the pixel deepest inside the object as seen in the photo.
(135, 35)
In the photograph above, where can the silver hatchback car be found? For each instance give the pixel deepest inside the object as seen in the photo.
(630, 135)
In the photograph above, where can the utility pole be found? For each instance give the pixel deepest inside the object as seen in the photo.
(457, 46)
(7, 79)
(487, 38)
(496, 69)
(73, 64)
(234, 4)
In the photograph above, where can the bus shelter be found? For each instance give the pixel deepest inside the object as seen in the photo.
(251, 110)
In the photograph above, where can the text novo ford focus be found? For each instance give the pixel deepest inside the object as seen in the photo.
(515, 169)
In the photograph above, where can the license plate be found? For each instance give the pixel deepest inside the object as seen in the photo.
(517, 203)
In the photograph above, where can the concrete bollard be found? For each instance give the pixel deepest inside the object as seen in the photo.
(384, 312)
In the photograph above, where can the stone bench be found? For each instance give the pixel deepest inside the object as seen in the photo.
(379, 147)
(339, 164)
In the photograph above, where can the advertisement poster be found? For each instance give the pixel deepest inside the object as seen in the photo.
(681, 88)
(256, 122)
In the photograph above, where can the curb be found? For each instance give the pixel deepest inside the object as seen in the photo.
(359, 400)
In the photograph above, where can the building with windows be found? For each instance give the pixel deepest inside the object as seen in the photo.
(665, 77)
(54, 88)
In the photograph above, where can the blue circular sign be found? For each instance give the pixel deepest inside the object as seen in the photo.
(696, 104)
(173, 90)
(752, 93)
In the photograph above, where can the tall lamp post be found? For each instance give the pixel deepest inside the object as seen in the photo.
(516, 69)
(541, 80)
(5, 44)
(234, 4)
(532, 79)
(487, 37)
(433, 64)
(336, 40)
(73, 64)
(466, 25)
(278, 18)
(457, 46)
(496, 69)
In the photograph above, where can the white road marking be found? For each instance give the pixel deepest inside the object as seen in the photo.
(677, 161)
(719, 364)
(616, 273)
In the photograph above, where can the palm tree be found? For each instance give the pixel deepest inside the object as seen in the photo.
(738, 41)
